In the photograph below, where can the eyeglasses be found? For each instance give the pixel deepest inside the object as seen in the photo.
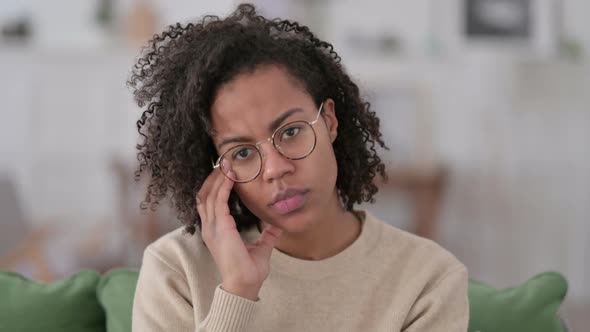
(295, 140)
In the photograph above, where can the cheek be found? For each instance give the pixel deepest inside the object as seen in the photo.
(251, 197)
(325, 160)
(318, 168)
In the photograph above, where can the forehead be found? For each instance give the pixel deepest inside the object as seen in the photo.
(252, 100)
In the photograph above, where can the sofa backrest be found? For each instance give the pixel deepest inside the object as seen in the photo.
(89, 302)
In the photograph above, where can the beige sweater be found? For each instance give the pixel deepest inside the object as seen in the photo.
(387, 280)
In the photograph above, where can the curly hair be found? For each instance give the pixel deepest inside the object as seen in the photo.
(176, 79)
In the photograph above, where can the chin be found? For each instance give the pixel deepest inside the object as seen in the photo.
(299, 221)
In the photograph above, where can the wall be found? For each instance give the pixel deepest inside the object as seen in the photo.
(513, 128)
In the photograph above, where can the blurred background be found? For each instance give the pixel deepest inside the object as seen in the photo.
(484, 104)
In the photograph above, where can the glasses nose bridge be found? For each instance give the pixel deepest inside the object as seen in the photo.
(259, 144)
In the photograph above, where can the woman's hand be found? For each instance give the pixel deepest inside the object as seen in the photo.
(243, 266)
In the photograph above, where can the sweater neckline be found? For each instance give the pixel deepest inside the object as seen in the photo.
(336, 264)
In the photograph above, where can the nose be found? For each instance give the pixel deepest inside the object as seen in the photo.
(274, 164)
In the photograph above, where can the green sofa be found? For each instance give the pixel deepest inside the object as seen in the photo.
(90, 302)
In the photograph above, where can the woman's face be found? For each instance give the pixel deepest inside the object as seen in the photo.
(247, 107)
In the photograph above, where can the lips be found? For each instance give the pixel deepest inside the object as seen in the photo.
(288, 200)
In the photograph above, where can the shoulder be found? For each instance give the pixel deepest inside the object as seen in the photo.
(418, 256)
(424, 276)
(179, 251)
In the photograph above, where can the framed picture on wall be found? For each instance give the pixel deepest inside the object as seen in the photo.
(528, 26)
(498, 19)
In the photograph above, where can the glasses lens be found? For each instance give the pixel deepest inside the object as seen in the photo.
(244, 160)
(295, 140)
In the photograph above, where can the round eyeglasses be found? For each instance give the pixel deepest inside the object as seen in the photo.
(294, 140)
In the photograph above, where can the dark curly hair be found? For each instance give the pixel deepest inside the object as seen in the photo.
(176, 79)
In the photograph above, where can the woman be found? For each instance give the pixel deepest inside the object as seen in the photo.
(264, 145)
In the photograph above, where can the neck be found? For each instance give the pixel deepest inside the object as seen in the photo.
(333, 232)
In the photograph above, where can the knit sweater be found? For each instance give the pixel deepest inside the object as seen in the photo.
(386, 280)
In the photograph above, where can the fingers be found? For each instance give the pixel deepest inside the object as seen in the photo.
(267, 241)
(212, 195)
(206, 187)
(203, 195)
(212, 199)
(223, 192)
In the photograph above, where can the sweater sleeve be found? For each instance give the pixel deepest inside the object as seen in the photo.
(163, 302)
(442, 307)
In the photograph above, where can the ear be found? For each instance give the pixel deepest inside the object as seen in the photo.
(329, 115)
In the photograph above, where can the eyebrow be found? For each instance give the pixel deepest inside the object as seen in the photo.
(271, 128)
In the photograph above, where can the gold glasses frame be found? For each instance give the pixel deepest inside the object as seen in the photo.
(256, 145)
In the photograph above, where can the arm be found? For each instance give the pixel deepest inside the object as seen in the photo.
(163, 303)
(444, 306)
(162, 297)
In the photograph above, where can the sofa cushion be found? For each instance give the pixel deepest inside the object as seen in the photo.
(532, 306)
(66, 305)
(115, 293)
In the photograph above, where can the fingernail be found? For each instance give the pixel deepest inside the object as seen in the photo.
(226, 168)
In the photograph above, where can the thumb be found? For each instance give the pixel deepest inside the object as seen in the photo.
(268, 239)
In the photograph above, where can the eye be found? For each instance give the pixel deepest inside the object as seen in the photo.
(243, 153)
(290, 132)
